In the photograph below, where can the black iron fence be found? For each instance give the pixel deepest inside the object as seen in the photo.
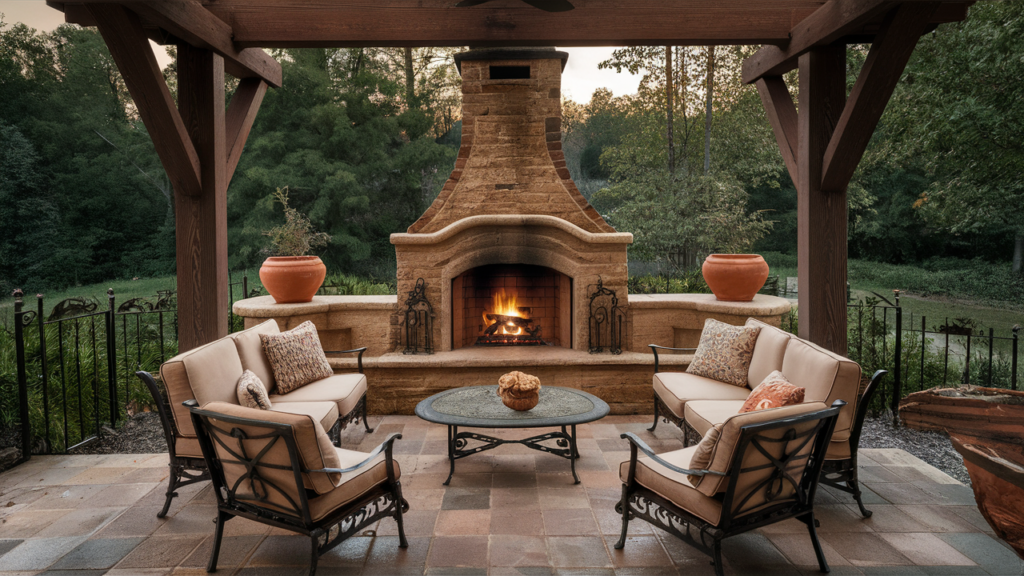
(923, 352)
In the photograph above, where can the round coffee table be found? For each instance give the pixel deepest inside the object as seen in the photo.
(480, 407)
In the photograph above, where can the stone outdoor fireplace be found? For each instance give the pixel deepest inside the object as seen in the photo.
(510, 224)
(511, 305)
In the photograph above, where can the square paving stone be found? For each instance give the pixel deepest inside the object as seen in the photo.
(463, 523)
(563, 498)
(458, 551)
(8, 545)
(927, 549)
(467, 499)
(192, 519)
(135, 521)
(865, 549)
(508, 550)
(573, 522)
(799, 550)
(387, 559)
(524, 523)
(282, 551)
(81, 522)
(160, 552)
(62, 497)
(415, 522)
(233, 552)
(37, 553)
(515, 498)
(27, 523)
(101, 553)
(986, 551)
(639, 551)
(578, 552)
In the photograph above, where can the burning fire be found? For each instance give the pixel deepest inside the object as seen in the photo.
(505, 305)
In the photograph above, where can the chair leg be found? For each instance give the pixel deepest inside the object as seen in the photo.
(399, 504)
(218, 535)
(655, 425)
(172, 484)
(624, 503)
(811, 525)
(717, 558)
(855, 486)
(315, 555)
(366, 423)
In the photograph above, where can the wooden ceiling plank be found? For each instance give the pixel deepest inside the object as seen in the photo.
(829, 23)
(241, 114)
(782, 115)
(122, 31)
(874, 86)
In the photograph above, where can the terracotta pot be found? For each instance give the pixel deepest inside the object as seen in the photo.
(735, 277)
(292, 278)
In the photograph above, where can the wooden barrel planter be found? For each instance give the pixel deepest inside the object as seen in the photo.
(986, 426)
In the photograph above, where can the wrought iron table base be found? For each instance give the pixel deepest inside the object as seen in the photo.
(565, 440)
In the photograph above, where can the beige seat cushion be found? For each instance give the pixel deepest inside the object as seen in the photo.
(677, 388)
(343, 389)
(769, 351)
(825, 377)
(315, 448)
(250, 352)
(214, 368)
(839, 450)
(187, 447)
(731, 430)
(672, 485)
(326, 413)
(353, 484)
(703, 414)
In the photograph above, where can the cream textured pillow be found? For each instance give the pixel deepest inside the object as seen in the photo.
(251, 391)
(297, 357)
(773, 392)
(705, 451)
(724, 352)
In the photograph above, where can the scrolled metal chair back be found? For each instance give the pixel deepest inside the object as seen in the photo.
(776, 465)
(254, 465)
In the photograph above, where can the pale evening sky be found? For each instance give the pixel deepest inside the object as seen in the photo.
(580, 79)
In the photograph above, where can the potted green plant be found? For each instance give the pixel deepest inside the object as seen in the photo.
(289, 273)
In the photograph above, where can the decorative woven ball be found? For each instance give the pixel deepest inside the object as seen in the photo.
(519, 391)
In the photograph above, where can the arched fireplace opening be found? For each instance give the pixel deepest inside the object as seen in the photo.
(511, 305)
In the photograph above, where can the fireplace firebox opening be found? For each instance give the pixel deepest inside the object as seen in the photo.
(511, 305)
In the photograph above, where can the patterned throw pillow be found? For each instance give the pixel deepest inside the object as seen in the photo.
(297, 357)
(251, 391)
(773, 392)
(705, 451)
(724, 352)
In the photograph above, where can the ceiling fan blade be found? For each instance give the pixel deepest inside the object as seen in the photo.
(551, 5)
(468, 3)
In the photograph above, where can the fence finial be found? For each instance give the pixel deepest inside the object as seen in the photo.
(18, 293)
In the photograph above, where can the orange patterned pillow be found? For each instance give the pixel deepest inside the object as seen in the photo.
(773, 392)
(724, 352)
(297, 357)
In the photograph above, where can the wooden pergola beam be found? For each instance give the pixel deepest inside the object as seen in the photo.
(782, 115)
(241, 114)
(878, 78)
(129, 46)
(190, 22)
(831, 22)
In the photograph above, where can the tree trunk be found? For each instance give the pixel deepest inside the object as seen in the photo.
(410, 79)
(669, 93)
(707, 116)
(1018, 251)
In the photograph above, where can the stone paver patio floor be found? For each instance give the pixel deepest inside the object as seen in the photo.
(510, 511)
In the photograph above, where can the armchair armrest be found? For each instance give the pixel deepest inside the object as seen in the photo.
(654, 348)
(359, 359)
(638, 445)
(385, 447)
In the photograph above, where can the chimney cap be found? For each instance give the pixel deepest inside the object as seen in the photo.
(512, 53)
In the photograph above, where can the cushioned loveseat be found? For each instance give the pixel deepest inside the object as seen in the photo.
(210, 373)
(696, 403)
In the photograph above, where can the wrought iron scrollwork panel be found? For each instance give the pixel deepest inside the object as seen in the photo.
(607, 321)
(418, 321)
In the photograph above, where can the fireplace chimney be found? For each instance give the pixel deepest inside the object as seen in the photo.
(511, 160)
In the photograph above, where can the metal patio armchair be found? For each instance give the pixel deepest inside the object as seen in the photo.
(765, 469)
(263, 471)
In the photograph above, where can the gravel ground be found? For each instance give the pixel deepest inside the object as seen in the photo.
(932, 447)
(141, 434)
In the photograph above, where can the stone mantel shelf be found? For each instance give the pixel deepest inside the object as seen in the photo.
(511, 357)
(761, 305)
(267, 307)
(511, 220)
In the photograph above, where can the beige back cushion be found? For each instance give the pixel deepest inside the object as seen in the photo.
(768, 352)
(825, 377)
(315, 448)
(722, 454)
(250, 351)
(213, 372)
(178, 372)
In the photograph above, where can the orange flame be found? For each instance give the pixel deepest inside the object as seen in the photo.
(505, 305)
